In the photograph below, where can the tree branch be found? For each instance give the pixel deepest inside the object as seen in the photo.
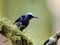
(11, 32)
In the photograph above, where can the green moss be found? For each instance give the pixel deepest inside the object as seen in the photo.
(12, 32)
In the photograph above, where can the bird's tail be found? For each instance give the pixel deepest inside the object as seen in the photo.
(46, 42)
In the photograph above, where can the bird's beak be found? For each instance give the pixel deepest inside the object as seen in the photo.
(35, 17)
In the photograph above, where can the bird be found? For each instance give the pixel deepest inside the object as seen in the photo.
(23, 21)
(52, 40)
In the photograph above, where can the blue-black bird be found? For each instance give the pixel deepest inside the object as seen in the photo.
(23, 21)
(52, 40)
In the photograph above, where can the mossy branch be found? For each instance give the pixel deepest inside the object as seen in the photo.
(11, 32)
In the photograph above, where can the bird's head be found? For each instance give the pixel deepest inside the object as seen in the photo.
(30, 16)
(58, 35)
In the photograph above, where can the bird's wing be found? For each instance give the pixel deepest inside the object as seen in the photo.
(19, 19)
(46, 42)
(23, 16)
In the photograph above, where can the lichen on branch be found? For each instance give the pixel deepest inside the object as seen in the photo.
(11, 32)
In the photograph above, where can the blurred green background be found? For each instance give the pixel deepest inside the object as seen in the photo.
(39, 29)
